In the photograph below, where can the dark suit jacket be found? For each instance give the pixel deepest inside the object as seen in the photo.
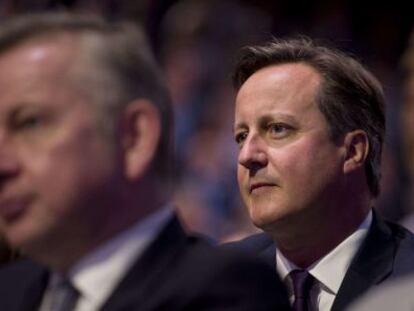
(7, 254)
(176, 272)
(387, 252)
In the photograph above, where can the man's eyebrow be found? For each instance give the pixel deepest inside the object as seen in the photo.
(238, 126)
(278, 116)
(267, 118)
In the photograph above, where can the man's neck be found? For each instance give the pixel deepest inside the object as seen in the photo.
(305, 244)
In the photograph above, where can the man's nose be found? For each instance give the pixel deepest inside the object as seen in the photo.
(253, 154)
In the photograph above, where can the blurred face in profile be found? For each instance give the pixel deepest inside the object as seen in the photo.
(288, 165)
(58, 171)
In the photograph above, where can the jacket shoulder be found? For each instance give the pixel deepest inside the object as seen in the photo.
(19, 271)
(404, 254)
(229, 273)
(252, 244)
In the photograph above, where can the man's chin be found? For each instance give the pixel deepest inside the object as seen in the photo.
(270, 222)
(266, 223)
(27, 242)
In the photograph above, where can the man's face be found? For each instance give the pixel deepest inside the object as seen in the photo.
(57, 170)
(288, 166)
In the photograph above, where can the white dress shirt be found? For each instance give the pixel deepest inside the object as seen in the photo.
(329, 271)
(96, 275)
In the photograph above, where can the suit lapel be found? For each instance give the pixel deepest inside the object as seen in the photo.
(268, 254)
(34, 293)
(27, 284)
(372, 264)
(142, 279)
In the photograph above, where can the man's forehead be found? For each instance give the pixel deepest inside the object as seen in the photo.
(37, 70)
(299, 74)
(51, 50)
(282, 81)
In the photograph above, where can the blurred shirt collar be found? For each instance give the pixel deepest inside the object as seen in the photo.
(96, 275)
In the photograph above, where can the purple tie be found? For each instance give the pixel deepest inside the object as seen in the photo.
(302, 283)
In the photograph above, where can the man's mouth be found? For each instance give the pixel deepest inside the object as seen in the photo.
(11, 209)
(260, 185)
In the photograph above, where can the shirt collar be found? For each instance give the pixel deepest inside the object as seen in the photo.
(97, 274)
(330, 270)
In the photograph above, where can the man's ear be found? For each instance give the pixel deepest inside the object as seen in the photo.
(357, 147)
(141, 131)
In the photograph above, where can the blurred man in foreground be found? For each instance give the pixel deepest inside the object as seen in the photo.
(85, 166)
(310, 125)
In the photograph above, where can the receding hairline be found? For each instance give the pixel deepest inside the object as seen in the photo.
(18, 29)
(84, 44)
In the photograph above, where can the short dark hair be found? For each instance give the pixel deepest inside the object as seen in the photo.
(121, 50)
(350, 97)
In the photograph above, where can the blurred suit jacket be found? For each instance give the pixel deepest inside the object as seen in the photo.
(386, 253)
(176, 272)
(7, 254)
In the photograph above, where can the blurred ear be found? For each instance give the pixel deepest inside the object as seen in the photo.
(141, 130)
(357, 146)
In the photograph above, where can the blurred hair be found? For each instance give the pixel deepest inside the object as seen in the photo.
(349, 97)
(120, 66)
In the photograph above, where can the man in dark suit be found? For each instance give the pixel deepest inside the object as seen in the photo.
(85, 168)
(310, 124)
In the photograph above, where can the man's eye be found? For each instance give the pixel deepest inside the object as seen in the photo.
(28, 122)
(278, 129)
(240, 137)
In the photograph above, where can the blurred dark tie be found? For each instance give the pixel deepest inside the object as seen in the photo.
(63, 296)
(302, 282)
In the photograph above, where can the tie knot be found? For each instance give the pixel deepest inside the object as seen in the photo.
(302, 282)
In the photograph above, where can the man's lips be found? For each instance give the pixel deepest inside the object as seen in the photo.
(260, 185)
(10, 209)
